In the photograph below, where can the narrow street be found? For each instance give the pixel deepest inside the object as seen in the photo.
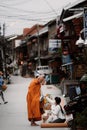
(13, 116)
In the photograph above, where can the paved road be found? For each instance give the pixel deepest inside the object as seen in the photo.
(13, 116)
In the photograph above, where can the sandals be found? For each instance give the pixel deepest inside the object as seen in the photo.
(34, 124)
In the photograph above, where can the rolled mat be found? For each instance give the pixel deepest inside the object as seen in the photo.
(49, 125)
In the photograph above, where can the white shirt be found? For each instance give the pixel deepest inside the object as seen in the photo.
(55, 109)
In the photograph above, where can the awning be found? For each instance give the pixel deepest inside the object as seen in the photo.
(43, 30)
(44, 57)
(70, 63)
(73, 16)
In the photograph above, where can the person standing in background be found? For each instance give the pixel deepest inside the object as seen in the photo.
(1, 84)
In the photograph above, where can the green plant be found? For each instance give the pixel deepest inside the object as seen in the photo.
(81, 119)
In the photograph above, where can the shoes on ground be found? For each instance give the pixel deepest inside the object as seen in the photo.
(5, 102)
(34, 124)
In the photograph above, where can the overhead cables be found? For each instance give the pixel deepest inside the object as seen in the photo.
(18, 2)
(23, 16)
(17, 9)
(51, 7)
(27, 19)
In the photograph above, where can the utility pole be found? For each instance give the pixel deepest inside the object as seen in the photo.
(2, 67)
(4, 30)
(1, 53)
(4, 52)
(0, 31)
(39, 63)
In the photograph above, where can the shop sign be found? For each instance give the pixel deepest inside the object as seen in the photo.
(85, 22)
(54, 45)
(17, 43)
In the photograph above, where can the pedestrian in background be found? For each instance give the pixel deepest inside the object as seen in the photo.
(1, 89)
(33, 99)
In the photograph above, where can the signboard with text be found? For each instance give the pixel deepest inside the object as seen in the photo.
(54, 45)
(85, 22)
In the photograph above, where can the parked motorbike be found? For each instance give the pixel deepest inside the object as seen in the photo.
(78, 104)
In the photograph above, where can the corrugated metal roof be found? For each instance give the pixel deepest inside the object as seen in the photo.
(74, 4)
(40, 32)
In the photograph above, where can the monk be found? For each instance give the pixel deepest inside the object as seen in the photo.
(33, 99)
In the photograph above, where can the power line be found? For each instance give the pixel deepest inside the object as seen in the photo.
(8, 12)
(27, 19)
(32, 15)
(24, 16)
(50, 7)
(21, 2)
(17, 9)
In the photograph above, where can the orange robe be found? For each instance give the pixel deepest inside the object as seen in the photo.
(33, 100)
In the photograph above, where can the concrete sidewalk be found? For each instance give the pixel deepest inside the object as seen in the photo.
(54, 91)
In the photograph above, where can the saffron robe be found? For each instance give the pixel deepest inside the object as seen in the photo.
(33, 100)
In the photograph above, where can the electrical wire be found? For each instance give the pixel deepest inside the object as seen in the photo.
(17, 9)
(12, 14)
(23, 17)
(32, 15)
(20, 3)
(51, 7)
(27, 19)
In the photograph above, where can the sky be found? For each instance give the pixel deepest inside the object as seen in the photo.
(20, 14)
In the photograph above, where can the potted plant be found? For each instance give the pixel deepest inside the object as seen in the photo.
(81, 120)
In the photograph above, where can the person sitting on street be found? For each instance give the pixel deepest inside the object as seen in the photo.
(56, 115)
